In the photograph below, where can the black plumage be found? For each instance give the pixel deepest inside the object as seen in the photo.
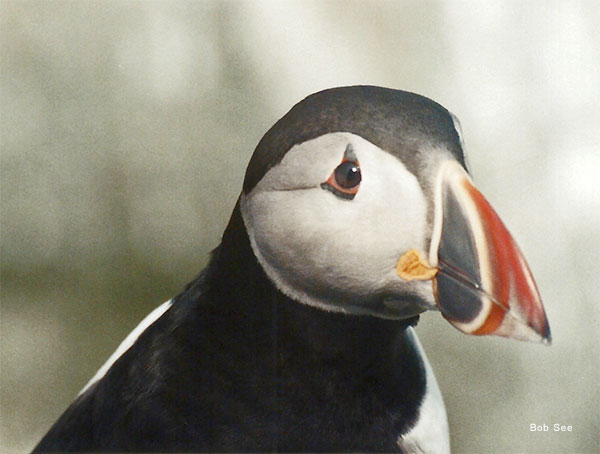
(234, 365)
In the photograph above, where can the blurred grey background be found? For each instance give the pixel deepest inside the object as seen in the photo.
(126, 128)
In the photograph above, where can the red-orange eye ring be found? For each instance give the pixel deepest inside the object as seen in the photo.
(344, 180)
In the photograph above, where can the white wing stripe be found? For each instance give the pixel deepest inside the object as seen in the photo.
(128, 342)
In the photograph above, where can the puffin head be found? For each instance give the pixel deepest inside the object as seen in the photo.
(358, 201)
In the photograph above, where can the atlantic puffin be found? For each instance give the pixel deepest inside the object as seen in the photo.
(357, 214)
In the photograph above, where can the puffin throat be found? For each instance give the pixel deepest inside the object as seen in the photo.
(235, 277)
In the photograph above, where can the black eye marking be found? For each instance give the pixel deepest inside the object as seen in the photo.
(349, 154)
(345, 179)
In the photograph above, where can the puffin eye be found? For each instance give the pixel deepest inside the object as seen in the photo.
(344, 180)
(347, 175)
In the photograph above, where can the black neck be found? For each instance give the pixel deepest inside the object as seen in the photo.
(234, 274)
(304, 363)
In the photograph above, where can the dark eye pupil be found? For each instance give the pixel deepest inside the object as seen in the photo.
(347, 174)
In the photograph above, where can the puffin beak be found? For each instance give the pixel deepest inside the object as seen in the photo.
(483, 284)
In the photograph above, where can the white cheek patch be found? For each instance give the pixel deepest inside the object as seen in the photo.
(306, 165)
(331, 252)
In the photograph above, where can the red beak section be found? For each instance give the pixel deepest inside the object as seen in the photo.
(483, 285)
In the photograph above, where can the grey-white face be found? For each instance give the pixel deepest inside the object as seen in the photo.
(337, 253)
